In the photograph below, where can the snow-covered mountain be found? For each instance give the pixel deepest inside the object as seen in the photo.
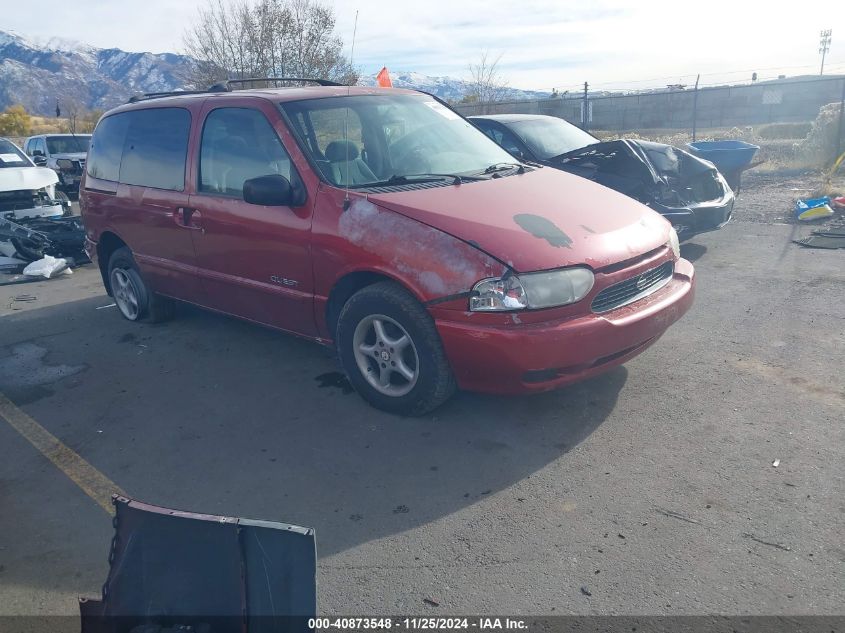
(37, 73)
(447, 88)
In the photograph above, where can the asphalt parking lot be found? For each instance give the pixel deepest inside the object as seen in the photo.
(652, 487)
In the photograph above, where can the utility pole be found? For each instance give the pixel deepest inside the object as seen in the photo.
(824, 45)
(695, 106)
(585, 115)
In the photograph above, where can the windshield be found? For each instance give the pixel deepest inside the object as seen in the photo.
(68, 144)
(11, 156)
(364, 140)
(549, 137)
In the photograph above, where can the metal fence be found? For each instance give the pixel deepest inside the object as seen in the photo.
(777, 101)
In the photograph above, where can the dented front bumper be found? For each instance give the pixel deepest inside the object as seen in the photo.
(524, 358)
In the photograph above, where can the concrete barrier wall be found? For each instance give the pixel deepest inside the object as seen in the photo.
(788, 100)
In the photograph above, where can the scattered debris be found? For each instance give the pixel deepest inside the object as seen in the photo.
(830, 236)
(776, 463)
(402, 509)
(813, 209)
(11, 265)
(675, 515)
(111, 305)
(431, 603)
(822, 241)
(11, 280)
(22, 299)
(585, 590)
(47, 267)
(785, 548)
(34, 237)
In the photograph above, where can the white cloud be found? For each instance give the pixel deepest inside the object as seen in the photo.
(545, 43)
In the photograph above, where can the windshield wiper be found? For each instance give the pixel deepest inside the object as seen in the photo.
(414, 179)
(495, 167)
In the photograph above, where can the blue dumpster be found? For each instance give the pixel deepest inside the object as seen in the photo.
(730, 157)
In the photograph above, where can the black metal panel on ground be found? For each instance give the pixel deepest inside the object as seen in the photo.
(171, 568)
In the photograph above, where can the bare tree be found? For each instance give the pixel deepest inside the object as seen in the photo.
(78, 118)
(266, 38)
(486, 82)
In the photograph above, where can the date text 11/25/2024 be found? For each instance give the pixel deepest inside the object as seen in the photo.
(417, 624)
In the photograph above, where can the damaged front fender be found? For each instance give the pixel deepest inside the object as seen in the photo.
(437, 267)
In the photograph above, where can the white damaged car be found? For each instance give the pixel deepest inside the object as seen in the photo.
(27, 191)
(33, 216)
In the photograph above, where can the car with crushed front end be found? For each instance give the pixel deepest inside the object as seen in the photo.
(34, 217)
(687, 190)
(383, 223)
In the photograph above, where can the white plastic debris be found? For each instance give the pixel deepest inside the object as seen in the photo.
(47, 267)
(776, 463)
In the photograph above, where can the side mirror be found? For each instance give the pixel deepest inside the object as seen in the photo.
(39, 160)
(273, 190)
(37, 152)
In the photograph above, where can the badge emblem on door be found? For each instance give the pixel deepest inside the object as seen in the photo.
(283, 282)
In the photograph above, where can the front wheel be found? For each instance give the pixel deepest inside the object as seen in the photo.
(391, 351)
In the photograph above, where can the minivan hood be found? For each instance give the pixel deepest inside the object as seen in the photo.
(17, 178)
(538, 220)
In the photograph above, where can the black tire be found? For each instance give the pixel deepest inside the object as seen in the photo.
(152, 308)
(434, 382)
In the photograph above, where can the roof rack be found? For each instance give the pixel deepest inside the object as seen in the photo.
(225, 86)
(159, 95)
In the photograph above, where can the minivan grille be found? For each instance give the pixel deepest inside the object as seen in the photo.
(633, 289)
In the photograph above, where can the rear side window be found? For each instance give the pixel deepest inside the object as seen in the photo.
(107, 147)
(155, 148)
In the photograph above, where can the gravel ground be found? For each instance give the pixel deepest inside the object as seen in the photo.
(769, 198)
(654, 486)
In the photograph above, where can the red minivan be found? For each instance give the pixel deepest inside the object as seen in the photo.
(383, 223)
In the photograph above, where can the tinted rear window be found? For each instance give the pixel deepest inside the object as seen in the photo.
(107, 147)
(156, 147)
(142, 147)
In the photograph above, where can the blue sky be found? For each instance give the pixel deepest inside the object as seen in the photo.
(543, 43)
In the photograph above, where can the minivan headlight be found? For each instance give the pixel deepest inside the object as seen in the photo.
(544, 289)
(673, 242)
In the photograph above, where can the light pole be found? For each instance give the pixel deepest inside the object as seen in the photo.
(824, 45)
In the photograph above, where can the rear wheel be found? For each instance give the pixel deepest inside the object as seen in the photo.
(391, 351)
(134, 299)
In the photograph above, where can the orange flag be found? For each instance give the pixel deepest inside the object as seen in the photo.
(383, 78)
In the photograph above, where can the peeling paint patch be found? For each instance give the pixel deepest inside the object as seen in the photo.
(413, 248)
(543, 228)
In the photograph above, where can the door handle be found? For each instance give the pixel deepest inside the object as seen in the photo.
(189, 218)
